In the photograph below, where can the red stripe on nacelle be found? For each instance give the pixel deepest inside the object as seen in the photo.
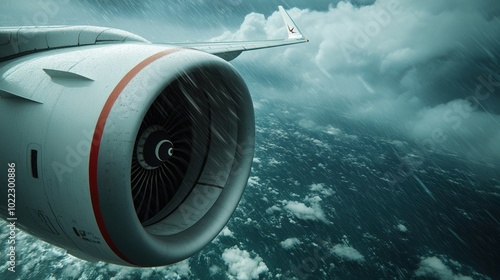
(96, 143)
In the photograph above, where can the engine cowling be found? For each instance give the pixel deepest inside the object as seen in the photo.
(132, 154)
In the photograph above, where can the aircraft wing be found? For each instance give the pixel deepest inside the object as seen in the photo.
(230, 50)
(19, 41)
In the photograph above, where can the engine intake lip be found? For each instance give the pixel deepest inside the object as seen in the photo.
(220, 157)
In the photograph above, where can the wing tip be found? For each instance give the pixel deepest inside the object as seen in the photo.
(292, 28)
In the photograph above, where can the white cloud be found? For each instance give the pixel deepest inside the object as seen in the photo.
(333, 130)
(347, 252)
(226, 232)
(241, 265)
(273, 209)
(321, 144)
(441, 125)
(434, 267)
(273, 162)
(253, 181)
(304, 212)
(329, 129)
(214, 270)
(401, 228)
(321, 189)
(308, 124)
(317, 187)
(252, 28)
(290, 243)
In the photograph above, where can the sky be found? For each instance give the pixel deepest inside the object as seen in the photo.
(427, 70)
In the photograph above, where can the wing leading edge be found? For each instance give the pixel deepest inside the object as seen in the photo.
(19, 41)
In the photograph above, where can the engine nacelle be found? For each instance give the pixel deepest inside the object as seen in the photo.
(133, 154)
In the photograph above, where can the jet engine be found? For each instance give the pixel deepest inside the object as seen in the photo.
(133, 154)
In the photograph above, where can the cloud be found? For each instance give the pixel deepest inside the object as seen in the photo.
(459, 127)
(251, 29)
(415, 67)
(434, 267)
(402, 228)
(226, 232)
(273, 209)
(304, 212)
(214, 270)
(290, 243)
(321, 189)
(328, 129)
(253, 181)
(241, 265)
(333, 130)
(347, 252)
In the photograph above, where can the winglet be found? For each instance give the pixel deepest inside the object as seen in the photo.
(292, 29)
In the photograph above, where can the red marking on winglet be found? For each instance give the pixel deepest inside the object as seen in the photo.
(96, 142)
(291, 29)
